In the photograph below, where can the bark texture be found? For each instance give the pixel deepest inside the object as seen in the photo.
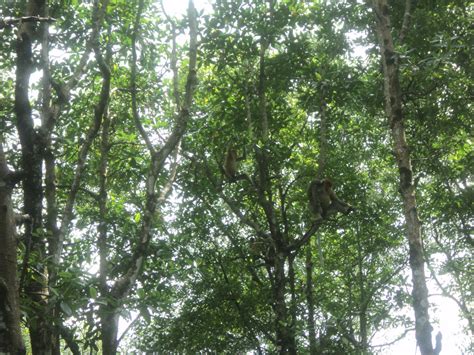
(34, 282)
(11, 341)
(393, 108)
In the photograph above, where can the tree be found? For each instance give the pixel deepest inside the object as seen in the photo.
(394, 111)
(132, 211)
(114, 295)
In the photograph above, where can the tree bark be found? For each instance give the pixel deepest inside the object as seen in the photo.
(36, 286)
(11, 341)
(108, 321)
(322, 160)
(393, 108)
(310, 300)
(285, 339)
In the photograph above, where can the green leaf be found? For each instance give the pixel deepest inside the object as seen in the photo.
(92, 292)
(65, 308)
(137, 217)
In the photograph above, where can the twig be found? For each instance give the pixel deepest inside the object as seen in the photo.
(395, 340)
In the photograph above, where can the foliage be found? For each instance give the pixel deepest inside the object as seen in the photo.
(201, 288)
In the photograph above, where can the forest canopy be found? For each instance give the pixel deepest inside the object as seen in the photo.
(241, 177)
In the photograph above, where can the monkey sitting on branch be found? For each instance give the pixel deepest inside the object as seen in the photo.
(231, 166)
(323, 201)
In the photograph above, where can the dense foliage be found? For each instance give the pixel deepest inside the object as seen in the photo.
(134, 218)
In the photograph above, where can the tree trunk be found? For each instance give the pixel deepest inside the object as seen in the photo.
(119, 290)
(393, 108)
(109, 330)
(363, 301)
(322, 159)
(31, 163)
(11, 341)
(310, 300)
(284, 336)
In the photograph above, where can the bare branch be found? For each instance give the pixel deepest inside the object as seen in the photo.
(99, 111)
(304, 239)
(167, 188)
(123, 285)
(406, 19)
(133, 80)
(9, 22)
(401, 336)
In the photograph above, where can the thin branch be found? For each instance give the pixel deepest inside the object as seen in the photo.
(92, 194)
(184, 111)
(132, 323)
(245, 316)
(99, 112)
(133, 80)
(406, 19)
(64, 91)
(167, 188)
(233, 205)
(68, 336)
(122, 286)
(460, 303)
(395, 340)
(174, 57)
(9, 22)
(304, 239)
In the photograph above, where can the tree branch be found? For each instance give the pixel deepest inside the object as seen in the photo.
(406, 19)
(133, 80)
(9, 22)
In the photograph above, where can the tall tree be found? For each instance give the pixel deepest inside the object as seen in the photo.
(44, 239)
(115, 293)
(394, 110)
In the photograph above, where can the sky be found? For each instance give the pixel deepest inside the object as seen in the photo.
(444, 313)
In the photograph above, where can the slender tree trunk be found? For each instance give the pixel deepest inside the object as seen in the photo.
(322, 159)
(31, 163)
(108, 320)
(120, 289)
(109, 330)
(310, 300)
(11, 341)
(285, 339)
(362, 301)
(393, 108)
(293, 306)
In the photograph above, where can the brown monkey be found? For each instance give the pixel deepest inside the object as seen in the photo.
(230, 164)
(323, 201)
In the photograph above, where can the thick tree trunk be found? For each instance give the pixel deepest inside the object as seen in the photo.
(393, 107)
(11, 341)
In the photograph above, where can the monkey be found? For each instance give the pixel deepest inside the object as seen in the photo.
(231, 165)
(323, 201)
